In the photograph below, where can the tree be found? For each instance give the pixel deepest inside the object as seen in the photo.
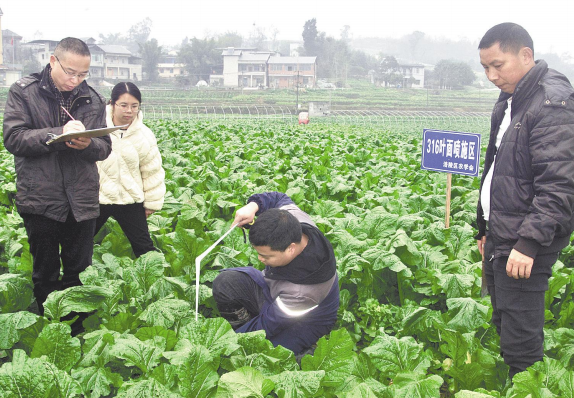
(113, 38)
(335, 59)
(151, 53)
(310, 37)
(273, 42)
(30, 63)
(139, 34)
(332, 58)
(361, 63)
(199, 56)
(390, 71)
(414, 40)
(452, 74)
(257, 38)
(346, 34)
(229, 39)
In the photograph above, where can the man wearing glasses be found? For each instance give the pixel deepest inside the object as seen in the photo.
(57, 185)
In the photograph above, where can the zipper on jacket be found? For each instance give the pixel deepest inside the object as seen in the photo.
(493, 164)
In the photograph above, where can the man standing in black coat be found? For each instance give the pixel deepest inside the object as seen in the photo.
(526, 205)
(57, 185)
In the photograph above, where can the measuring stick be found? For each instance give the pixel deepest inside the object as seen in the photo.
(198, 264)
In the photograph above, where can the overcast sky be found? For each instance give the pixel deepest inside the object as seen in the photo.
(549, 22)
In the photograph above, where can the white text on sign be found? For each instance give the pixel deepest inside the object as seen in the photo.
(456, 149)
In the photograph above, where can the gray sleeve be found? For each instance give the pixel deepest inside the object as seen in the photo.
(299, 214)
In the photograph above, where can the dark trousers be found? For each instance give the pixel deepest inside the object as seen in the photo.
(133, 222)
(518, 308)
(45, 237)
(239, 298)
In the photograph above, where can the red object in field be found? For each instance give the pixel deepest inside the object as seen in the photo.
(304, 118)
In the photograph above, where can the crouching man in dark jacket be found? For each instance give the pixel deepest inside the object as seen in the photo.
(296, 297)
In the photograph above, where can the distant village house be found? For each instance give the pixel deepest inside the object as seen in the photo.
(248, 68)
(114, 62)
(168, 67)
(10, 70)
(108, 61)
(286, 72)
(413, 75)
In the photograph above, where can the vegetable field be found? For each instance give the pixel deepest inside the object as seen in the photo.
(360, 96)
(411, 323)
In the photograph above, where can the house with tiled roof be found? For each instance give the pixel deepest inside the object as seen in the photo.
(249, 68)
(243, 67)
(10, 71)
(110, 61)
(286, 72)
(41, 49)
(11, 47)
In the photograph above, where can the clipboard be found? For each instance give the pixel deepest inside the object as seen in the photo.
(88, 133)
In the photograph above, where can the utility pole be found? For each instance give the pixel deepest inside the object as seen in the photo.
(297, 105)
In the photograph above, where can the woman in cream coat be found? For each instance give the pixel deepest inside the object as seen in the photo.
(132, 184)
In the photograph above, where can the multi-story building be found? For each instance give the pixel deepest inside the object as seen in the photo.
(11, 47)
(10, 66)
(285, 72)
(114, 62)
(167, 70)
(168, 67)
(248, 68)
(252, 69)
(108, 61)
(413, 75)
(230, 67)
(41, 49)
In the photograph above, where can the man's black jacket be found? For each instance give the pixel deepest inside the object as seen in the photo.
(53, 179)
(532, 191)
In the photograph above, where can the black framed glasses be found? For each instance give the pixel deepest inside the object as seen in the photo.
(71, 75)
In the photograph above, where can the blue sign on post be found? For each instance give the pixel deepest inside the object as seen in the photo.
(451, 152)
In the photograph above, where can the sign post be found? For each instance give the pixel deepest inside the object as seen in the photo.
(450, 152)
(448, 189)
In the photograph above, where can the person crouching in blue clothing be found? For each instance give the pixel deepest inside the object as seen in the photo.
(296, 297)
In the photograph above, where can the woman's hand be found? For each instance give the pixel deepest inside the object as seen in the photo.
(148, 212)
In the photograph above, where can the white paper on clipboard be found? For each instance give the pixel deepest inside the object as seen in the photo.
(88, 133)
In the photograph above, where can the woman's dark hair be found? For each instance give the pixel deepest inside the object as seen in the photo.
(275, 228)
(123, 88)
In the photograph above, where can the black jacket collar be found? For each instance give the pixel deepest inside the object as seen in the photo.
(527, 85)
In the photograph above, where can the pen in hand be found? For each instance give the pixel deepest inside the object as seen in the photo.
(68, 113)
(71, 117)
